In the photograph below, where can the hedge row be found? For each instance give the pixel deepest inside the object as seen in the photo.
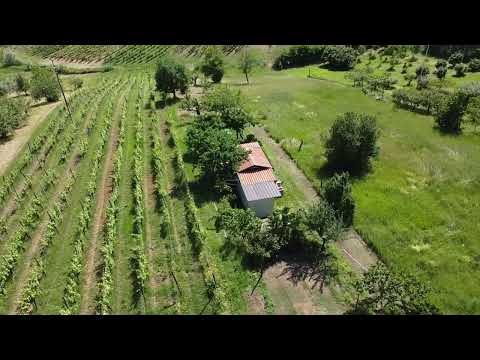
(337, 57)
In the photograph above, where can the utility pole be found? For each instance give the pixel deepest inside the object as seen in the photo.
(61, 88)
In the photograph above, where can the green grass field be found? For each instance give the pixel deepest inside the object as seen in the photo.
(417, 207)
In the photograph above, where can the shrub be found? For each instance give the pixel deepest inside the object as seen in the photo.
(44, 84)
(352, 142)
(441, 63)
(415, 100)
(441, 72)
(456, 58)
(422, 70)
(337, 57)
(422, 82)
(212, 65)
(450, 114)
(460, 70)
(299, 55)
(9, 59)
(77, 83)
(474, 65)
(412, 59)
(337, 192)
(22, 84)
(12, 114)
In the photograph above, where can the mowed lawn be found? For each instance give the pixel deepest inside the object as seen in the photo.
(419, 208)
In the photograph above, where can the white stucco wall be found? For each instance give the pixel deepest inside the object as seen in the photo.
(262, 208)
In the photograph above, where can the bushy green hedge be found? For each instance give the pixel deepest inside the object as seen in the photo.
(424, 101)
(336, 57)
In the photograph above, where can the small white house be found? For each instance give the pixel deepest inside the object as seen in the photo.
(257, 185)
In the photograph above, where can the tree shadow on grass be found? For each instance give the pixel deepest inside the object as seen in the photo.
(203, 191)
(45, 102)
(161, 104)
(328, 169)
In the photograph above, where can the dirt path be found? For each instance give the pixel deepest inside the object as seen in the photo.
(103, 194)
(10, 149)
(351, 245)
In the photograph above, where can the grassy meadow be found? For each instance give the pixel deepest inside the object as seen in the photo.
(417, 207)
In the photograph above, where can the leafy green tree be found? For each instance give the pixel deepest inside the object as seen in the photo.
(171, 76)
(473, 111)
(352, 142)
(22, 83)
(321, 219)
(456, 58)
(247, 62)
(230, 106)
(422, 70)
(474, 65)
(441, 64)
(12, 114)
(215, 151)
(441, 72)
(212, 65)
(44, 84)
(460, 70)
(384, 292)
(337, 192)
(449, 115)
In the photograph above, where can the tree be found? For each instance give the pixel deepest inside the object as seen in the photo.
(337, 192)
(247, 62)
(212, 65)
(422, 70)
(460, 70)
(22, 83)
(474, 65)
(230, 106)
(422, 82)
(320, 219)
(441, 72)
(352, 142)
(215, 151)
(384, 292)
(473, 111)
(12, 113)
(77, 83)
(44, 84)
(171, 76)
(456, 58)
(449, 115)
(195, 74)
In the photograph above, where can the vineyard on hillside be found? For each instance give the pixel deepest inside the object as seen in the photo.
(118, 54)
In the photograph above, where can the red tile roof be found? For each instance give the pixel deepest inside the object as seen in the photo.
(252, 177)
(256, 157)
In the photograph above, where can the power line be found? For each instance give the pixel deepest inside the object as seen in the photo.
(61, 88)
